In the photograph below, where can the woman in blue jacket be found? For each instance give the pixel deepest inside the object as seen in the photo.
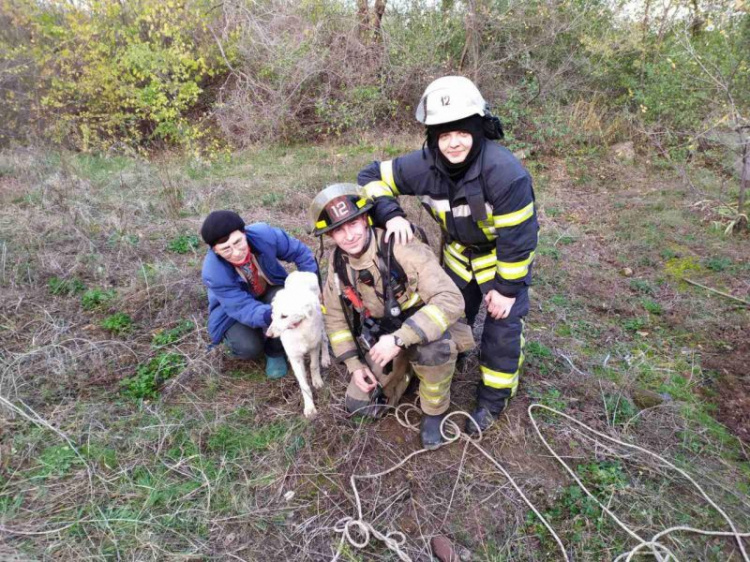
(242, 273)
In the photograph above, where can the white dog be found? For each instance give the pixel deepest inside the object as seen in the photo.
(298, 319)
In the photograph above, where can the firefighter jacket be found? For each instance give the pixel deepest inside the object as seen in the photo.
(488, 216)
(429, 291)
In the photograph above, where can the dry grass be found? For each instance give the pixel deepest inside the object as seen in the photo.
(223, 467)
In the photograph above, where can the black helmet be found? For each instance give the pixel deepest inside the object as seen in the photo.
(335, 205)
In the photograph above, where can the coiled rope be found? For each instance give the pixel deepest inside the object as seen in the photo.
(396, 540)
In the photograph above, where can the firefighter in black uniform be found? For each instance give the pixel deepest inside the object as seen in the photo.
(483, 199)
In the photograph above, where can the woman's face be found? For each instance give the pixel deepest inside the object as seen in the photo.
(455, 145)
(235, 249)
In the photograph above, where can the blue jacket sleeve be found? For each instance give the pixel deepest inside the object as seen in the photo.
(290, 249)
(237, 303)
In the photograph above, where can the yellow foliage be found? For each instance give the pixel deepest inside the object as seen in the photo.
(119, 72)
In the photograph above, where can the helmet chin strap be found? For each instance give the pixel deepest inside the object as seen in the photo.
(367, 243)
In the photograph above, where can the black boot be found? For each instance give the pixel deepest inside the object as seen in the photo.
(429, 430)
(483, 418)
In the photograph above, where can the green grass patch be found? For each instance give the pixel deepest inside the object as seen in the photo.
(118, 323)
(184, 244)
(173, 335)
(642, 286)
(618, 409)
(65, 287)
(97, 298)
(149, 377)
(232, 441)
(635, 324)
(651, 306)
(717, 263)
(57, 460)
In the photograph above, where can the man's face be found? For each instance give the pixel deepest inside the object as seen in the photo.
(351, 236)
(455, 145)
(235, 249)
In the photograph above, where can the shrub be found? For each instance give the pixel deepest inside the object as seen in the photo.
(118, 323)
(184, 244)
(96, 298)
(149, 377)
(173, 335)
(115, 72)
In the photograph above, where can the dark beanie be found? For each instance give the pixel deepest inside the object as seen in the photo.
(220, 224)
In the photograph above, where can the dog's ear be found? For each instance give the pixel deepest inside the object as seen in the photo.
(309, 309)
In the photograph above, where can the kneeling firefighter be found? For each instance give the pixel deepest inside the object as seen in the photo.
(391, 311)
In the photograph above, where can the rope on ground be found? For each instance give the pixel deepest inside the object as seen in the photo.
(395, 540)
(654, 545)
(451, 433)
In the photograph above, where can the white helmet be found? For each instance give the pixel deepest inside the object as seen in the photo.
(448, 99)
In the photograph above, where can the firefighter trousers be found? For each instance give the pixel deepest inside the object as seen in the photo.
(501, 351)
(433, 363)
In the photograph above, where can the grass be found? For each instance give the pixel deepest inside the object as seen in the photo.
(205, 470)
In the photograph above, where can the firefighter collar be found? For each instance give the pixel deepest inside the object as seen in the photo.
(472, 173)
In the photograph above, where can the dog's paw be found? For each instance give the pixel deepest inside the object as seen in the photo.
(317, 382)
(310, 412)
(325, 361)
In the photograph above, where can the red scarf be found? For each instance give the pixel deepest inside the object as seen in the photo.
(250, 272)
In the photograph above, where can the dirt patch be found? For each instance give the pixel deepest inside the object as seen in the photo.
(730, 359)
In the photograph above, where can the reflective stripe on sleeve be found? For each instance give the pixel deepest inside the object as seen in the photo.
(515, 270)
(414, 299)
(386, 174)
(514, 218)
(437, 205)
(437, 316)
(377, 189)
(340, 336)
(485, 276)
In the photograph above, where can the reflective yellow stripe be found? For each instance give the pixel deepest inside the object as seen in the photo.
(456, 267)
(485, 276)
(516, 217)
(414, 299)
(321, 224)
(514, 270)
(437, 316)
(386, 174)
(498, 379)
(441, 218)
(455, 249)
(487, 260)
(437, 387)
(361, 202)
(377, 189)
(323, 309)
(490, 232)
(341, 336)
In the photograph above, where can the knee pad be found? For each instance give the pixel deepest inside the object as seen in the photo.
(436, 353)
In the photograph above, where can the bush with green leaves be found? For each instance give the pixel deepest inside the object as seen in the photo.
(97, 297)
(184, 244)
(173, 335)
(145, 383)
(111, 73)
(118, 323)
